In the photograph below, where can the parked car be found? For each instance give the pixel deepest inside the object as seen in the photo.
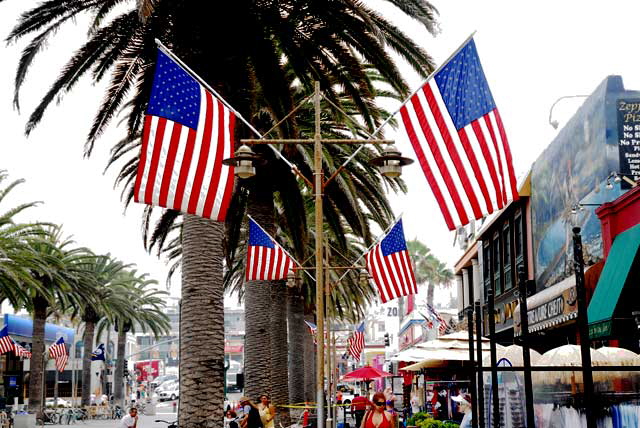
(61, 402)
(169, 394)
(170, 384)
(161, 379)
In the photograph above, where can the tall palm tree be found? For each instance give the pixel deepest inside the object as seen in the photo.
(319, 41)
(98, 272)
(58, 277)
(428, 268)
(136, 306)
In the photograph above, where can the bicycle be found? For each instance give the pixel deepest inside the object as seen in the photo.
(49, 416)
(73, 415)
(173, 424)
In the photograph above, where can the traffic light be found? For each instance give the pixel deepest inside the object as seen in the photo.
(126, 368)
(386, 339)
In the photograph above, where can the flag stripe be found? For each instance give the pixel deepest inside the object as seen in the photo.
(511, 181)
(489, 157)
(266, 260)
(142, 164)
(213, 199)
(408, 125)
(227, 173)
(169, 163)
(203, 154)
(153, 167)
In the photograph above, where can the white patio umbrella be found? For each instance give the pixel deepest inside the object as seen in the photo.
(568, 355)
(514, 354)
(618, 357)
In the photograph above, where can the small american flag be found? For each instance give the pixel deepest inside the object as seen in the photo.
(390, 266)
(6, 342)
(459, 139)
(58, 351)
(356, 342)
(442, 324)
(313, 329)
(266, 260)
(20, 351)
(187, 133)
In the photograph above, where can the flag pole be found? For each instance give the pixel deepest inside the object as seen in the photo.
(391, 116)
(181, 63)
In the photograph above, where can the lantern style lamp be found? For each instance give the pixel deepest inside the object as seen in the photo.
(243, 162)
(391, 162)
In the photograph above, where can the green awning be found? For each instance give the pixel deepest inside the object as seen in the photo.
(613, 277)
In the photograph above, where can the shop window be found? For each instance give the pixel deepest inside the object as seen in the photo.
(506, 245)
(497, 286)
(518, 233)
(486, 267)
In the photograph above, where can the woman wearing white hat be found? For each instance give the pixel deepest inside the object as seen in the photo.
(464, 406)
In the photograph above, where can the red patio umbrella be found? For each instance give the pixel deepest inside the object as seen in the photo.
(366, 374)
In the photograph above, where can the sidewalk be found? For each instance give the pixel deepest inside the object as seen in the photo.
(143, 422)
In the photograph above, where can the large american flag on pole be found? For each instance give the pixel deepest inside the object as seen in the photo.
(389, 264)
(356, 342)
(187, 133)
(58, 351)
(460, 141)
(266, 260)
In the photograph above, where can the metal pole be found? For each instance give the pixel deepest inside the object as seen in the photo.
(480, 384)
(472, 367)
(55, 390)
(526, 357)
(583, 328)
(317, 172)
(329, 394)
(495, 416)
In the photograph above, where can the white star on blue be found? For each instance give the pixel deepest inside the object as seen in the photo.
(173, 83)
(257, 237)
(394, 241)
(464, 88)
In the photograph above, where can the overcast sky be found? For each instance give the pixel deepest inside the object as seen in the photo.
(532, 53)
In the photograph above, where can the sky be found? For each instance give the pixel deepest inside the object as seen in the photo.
(532, 54)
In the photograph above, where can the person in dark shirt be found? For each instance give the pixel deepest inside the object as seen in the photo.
(251, 418)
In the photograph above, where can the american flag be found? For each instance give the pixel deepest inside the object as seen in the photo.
(6, 342)
(356, 342)
(58, 351)
(459, 139)
(390, 266)
(442, 324)
(21, 351)
(266, 260)
(187, 133)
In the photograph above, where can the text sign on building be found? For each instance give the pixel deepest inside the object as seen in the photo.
(628, 112)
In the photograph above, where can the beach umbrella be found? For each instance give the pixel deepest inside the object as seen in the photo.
(568, 355)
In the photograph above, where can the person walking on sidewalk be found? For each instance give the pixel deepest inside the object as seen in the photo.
(130, 420)
(358, 407)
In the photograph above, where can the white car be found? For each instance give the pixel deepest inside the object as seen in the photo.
(170, 384)
(169, 394)
(61, 402)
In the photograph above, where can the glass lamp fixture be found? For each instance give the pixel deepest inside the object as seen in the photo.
(391, 162)
(243, 162)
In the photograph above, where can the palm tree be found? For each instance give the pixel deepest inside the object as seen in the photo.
(98, 272)
(319, 41)
(137, 306)
(428, 268)
(57, 277)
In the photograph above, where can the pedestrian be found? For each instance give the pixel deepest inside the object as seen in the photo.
(339, 396)
(267, 411)
(130, 420)
(230, 419)
(251, 416)
(464, 406)
(378, 417)
(358, 407)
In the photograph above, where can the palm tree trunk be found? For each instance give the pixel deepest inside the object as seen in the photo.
(279, 352)
(202, 324)
(297, 331)
(89, 327)
(118, 375)
(430, 291)
(309, 364)
(37, 367)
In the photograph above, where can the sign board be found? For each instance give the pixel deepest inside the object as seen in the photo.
(13, 381)
(558, 307)
(601, 329)
(628, 112)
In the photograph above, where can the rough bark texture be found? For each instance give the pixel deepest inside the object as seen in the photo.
(297, 331)
(118, 375)
(202, 325)
(309, 364)
(257, 304)
(430, 291)
(37, 367)
(279, 352)
(87, 339)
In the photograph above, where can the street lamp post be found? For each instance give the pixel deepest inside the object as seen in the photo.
(554, 123)
(390, 164)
